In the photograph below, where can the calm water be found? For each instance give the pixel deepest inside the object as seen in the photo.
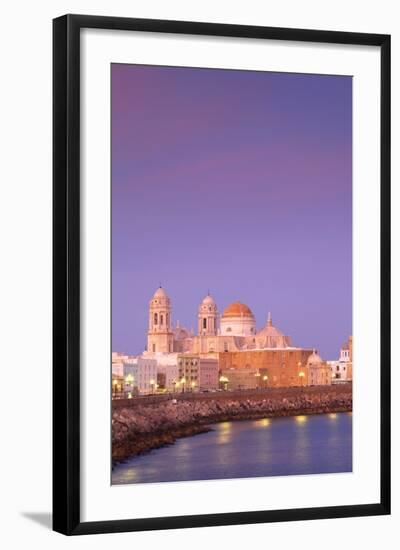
(269, 447)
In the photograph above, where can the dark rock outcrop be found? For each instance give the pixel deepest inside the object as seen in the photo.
(141, 427)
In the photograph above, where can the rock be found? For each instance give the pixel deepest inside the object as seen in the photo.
(140, 427)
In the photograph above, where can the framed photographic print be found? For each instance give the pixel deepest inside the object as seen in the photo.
(221, 274)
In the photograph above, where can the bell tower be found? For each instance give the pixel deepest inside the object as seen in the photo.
(160, 337)
(207, 317)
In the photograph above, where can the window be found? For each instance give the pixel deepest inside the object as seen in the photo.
(156, 318)
(204, 323)
(167, 319)
(161, 319)
(154, 348)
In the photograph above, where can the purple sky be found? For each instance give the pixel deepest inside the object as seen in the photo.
(233, 181)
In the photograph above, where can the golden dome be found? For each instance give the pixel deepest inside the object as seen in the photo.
(237, 309)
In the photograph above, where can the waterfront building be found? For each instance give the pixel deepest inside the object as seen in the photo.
(118, 363)
(197, 373)
(275, 367)
(167, 370)
(246, 378)
(233, 342)
(117, 386)
(342, 369)
(318, 371)
(118, 369)
(140, 376)
(208, 374)
(189, 375)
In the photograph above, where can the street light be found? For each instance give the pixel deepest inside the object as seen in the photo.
(129, 382)
(224, 380)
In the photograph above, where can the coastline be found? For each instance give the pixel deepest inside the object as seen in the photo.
(140, 427)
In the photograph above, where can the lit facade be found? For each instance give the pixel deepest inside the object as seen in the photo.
(228, 351)
(342, 369)
(234, 330)
(140, 375)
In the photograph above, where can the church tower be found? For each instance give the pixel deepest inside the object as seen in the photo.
(207, 317)
(160, 337)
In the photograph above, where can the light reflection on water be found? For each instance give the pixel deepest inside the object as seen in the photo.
(224, 433)
(264, 423)
(252, 448)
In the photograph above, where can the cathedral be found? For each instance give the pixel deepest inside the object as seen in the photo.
(230, 344)
(234, 330)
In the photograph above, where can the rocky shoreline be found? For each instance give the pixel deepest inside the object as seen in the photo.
(141, 427)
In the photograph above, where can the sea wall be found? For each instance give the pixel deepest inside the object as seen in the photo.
(139, 425)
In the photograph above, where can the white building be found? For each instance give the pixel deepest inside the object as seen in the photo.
(167, 369)
(118, 363)
(118, 369)
(342, 370)
(140, 376)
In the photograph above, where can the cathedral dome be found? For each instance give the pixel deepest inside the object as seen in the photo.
(314, 359)
(271, 337)
(208, 301)
(269, 331)
(181, 333)
(238, 320)
(160, 293)
(237, 309)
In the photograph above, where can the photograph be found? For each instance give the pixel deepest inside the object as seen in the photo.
(231, 274)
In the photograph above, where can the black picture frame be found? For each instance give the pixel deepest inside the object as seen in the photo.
(66, 273)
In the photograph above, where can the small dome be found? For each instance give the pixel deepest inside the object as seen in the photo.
(314, 359)
(269, 331)
(208, 301)
(237, 309)
(181, 333)
(271, 337)
(160, 293)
